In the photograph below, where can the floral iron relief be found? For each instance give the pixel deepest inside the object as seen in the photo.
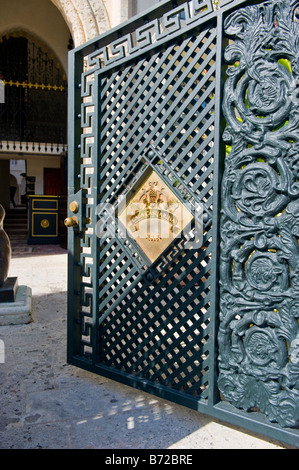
(259, 267)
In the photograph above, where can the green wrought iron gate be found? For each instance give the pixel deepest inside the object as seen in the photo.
(173, 288)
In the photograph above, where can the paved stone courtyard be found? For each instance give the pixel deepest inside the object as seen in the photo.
(46, 403)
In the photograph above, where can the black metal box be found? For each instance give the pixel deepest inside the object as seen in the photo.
(44, 212)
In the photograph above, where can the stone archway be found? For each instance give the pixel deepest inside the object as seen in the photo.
(86, 19)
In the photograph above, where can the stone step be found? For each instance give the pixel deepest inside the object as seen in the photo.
(14, 219)
(14, 233)
(19, 210)
(16, 223)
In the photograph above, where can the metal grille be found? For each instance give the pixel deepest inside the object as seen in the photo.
(35, 105)
(167, 100)
(161, 331)
(146, 99)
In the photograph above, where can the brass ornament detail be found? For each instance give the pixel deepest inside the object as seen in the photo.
(45, 223)
(154, 216)
(74, 207)
(71, 221)
(259, 266)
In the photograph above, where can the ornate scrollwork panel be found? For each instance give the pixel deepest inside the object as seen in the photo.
(259, 266)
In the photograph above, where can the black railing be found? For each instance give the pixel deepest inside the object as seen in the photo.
(33, 116)
(34, 109)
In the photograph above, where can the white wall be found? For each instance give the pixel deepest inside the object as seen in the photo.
(16, 168)
(117, 11)
(35, 167)
(145, 4)
(120, 10)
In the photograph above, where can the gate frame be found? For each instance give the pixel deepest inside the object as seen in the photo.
(254, 421)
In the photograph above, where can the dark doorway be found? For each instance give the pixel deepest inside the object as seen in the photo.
(52, 181)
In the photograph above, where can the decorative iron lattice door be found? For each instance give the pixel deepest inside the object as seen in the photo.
(145, 166)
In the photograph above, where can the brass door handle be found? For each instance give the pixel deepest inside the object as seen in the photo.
(71, 221)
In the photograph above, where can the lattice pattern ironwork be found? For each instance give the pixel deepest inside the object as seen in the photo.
(165, 102)
(160, 331)
(146, 100)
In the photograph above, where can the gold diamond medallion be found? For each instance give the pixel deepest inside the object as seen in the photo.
(154, 216)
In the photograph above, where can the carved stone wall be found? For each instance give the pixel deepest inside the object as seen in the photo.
(259, 331)
(86, 19)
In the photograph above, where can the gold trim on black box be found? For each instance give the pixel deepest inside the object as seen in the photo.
(32, 225)
(41, 208)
